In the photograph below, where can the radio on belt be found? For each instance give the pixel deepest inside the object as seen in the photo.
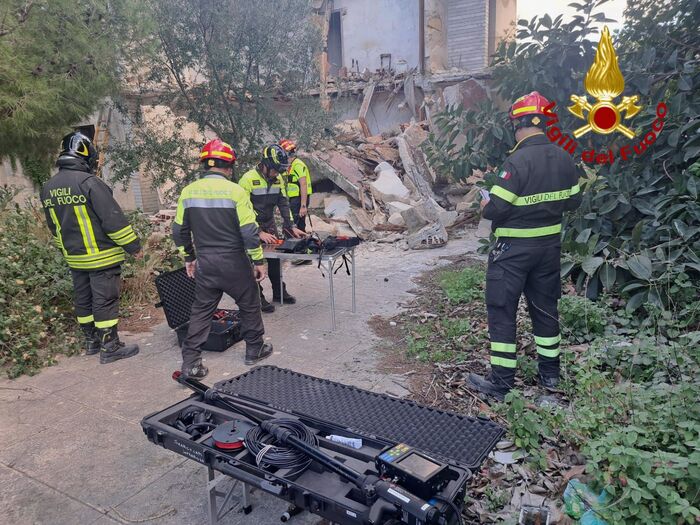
(416, 472)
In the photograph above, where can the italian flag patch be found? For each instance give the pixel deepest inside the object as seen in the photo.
(504, 174)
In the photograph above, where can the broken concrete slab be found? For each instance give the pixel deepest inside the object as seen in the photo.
(361, 222)
(321, 227)
(415, 218)
(397, 219)
(348, 131)
(468, 93)
(447, 218)
(343, 171)
(416, 168)
(389, 187)
(397, 207)
(337, 207)
(316, 200)
(431, 236)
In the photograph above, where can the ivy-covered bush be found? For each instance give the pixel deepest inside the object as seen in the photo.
(637, 232)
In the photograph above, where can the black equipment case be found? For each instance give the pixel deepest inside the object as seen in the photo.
(176, 292)
(316, 489)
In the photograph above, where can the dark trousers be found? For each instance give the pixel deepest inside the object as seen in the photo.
(219, 272)
(273, 272)
(295, 206)
(96, 296)
(523, 266)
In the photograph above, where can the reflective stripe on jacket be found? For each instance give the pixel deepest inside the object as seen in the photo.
(265, 198)
(87, 224)
(536, 185)
(298, 170)
(219, 215)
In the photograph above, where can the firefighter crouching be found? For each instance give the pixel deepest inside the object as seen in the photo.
(219, 215)
(89, 227)
(267, 192)
(536, 185)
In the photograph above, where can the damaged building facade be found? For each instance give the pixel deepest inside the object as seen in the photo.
(387, 66)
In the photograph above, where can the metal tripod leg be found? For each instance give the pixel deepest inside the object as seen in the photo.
(230, 502)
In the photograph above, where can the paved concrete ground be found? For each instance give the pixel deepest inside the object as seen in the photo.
(72, 448)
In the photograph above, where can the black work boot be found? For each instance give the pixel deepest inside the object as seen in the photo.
(288, 299)
(111, 348)
(92, 343)
(266, 307)
(550, 383)
(488, 385)
(253, 356)
(197, 370)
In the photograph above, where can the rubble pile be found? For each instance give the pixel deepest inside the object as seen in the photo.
(391, 192)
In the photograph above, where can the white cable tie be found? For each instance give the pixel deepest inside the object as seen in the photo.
(261, 454)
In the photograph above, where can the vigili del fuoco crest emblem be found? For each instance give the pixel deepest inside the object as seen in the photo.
(604, 82)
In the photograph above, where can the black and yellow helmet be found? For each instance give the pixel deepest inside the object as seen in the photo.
(79, 146)
(274, 157)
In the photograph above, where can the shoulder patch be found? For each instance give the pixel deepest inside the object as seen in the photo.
(505, 174)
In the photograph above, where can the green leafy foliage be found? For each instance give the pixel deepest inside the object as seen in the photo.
(581, 319)
(637, 232)
(463, 286)
(36, 304)
(234, 69)
(58, 60)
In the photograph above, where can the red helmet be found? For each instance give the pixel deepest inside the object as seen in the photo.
(288, 145)
(530, 104)
(217, 149)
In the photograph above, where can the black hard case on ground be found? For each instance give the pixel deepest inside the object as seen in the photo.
(176, 292)
(316, 490)
(330, 408)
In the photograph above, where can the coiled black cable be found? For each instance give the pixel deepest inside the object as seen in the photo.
(268, 453)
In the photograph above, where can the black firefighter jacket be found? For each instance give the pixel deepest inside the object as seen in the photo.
(87, 224)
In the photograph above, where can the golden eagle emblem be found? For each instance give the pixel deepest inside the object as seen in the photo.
(604, 82)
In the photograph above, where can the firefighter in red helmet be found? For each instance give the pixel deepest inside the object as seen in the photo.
(215, 228)
(537, 183)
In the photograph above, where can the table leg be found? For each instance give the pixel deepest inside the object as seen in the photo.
(281, 286)
(352, 260)
(330, 284)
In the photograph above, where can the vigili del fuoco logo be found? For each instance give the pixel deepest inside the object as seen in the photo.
(604, 82)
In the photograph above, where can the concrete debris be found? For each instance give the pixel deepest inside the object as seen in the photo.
(483, 231)
(337, 207)
(415, 218)
(317, 200)
(361, 223)
(348, 131)
(431, 236)
(391, 238)
(468, 93)
(397, 206)
(415, 166)
(323, 228)
(388, 186)
(397, 219)
(343, 171)
(447, 218)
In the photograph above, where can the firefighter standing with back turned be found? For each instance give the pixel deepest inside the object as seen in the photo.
(218, 214)
(89, 227)
(266, 188)
(536, 185)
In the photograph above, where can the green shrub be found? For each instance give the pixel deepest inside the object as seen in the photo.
(581, 319)
(634, 414)
(463, 286)
(36, 312)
